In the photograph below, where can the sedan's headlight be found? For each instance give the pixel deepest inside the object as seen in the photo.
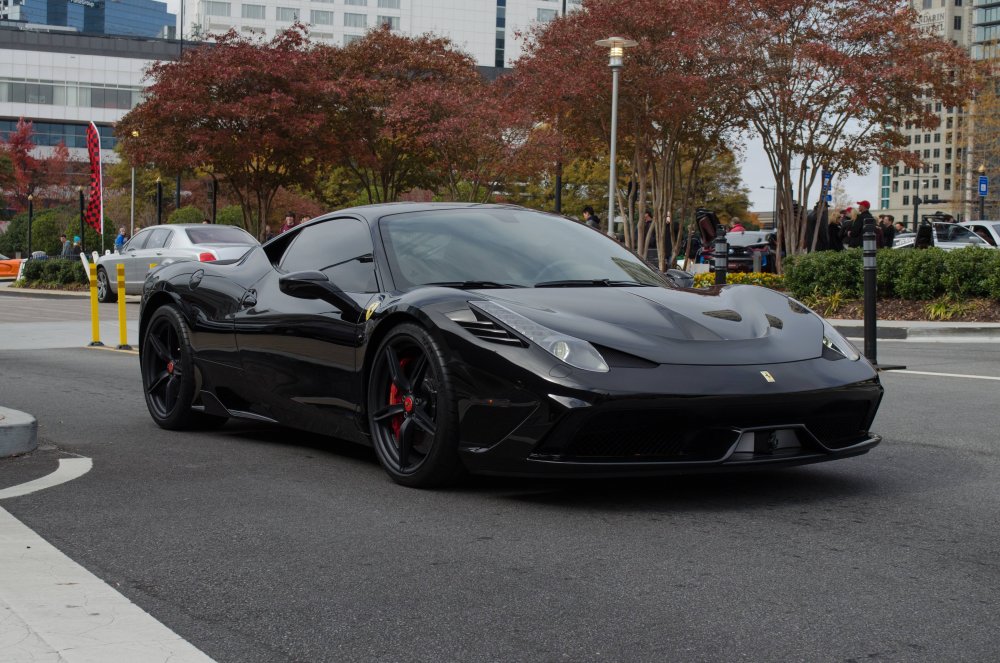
(574, 351)
(833, 340)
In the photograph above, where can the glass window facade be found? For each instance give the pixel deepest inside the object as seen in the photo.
(253, 11)
(355, 20)
(50, 134)
(391, 21)
(317, 17)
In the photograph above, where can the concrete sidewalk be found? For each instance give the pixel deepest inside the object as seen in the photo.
(7, 290)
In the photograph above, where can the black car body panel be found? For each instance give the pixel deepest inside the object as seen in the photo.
(725, 377)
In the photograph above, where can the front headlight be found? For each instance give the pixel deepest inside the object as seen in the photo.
(835, 341)
(574, 351)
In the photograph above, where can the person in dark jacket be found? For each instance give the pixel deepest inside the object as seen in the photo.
(835, 231)
(855, 235)
(590, 218)
(888, 230)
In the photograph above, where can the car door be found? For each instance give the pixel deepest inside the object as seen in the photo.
(129, 256)
(302, 353)
(983, 230)
(148, 257)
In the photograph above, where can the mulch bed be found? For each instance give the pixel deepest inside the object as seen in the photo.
(978, 310)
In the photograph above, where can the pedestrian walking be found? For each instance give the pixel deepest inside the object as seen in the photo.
(856, 231)
(591, 219)
(888, 230)
(77, 247)
(835, 231)
(289, 222)
(67, 246)
(120, 239)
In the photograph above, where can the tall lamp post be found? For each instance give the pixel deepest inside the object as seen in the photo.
(774, 214)
(616, 46)
(159, 201)
(83, 236)
(131, 228)
(31, 217)
(982, 193)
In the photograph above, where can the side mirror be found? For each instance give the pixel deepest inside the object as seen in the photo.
(680, 278)
(317, 285)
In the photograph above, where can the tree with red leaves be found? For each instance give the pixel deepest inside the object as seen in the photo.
(29, 174)
(409, 112)
(829, 85)
(250, 113)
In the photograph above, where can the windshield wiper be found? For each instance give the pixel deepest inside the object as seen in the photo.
(589, 283)
(473, 285)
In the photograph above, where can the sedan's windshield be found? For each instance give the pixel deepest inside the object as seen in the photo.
(509, 247)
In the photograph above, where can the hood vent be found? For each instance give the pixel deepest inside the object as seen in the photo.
(488, 330)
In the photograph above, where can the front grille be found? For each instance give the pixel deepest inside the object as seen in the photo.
(842, 425)
(488, 330)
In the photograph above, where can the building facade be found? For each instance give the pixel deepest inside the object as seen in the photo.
(485, 29)
(135, 18)
(941, 184)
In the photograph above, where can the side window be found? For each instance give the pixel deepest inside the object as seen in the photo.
(340, 248)
(139, 241)
(158, 239)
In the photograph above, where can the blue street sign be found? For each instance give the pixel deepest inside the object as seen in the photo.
(984, 185)
(829, 198)
(827, 176)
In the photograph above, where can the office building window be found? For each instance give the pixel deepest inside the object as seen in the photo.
(215, 8)
(947, 185)
(355, 20)
(350, 39)
(958, 22)
(388, 4)
(916, 139)
(287, 14)
(546, 15)
(895, 185)
(253, 11)
(317, 17)
(906, 185)
(356, 3)
(391, 21)
(906, 200)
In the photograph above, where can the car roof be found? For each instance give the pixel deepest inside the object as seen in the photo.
(372, 213)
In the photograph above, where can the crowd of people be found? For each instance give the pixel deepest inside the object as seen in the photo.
(847, 228)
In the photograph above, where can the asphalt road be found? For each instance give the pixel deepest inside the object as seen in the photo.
(261, 544)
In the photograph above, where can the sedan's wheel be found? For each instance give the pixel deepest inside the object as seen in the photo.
(411, 410)
(168, 376)
(104, 292)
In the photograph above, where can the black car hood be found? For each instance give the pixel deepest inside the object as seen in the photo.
(730, 325)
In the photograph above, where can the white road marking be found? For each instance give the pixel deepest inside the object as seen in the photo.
(69, 469)
(53, 609)
(950, 375)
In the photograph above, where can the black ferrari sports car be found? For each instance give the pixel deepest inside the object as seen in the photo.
(498, 340)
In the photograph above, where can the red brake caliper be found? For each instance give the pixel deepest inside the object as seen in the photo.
(395, 398)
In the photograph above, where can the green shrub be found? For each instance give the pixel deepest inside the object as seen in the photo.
(888, 264)
(825, 273)
(920, 274)
(189, 214)
(231, 215)
(54, 272)
(967, 270)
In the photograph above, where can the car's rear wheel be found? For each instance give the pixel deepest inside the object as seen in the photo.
(168, 373)
(411, 410)
(104, 292)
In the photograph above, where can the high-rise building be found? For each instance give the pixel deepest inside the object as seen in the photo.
(135, 18)
(940, 185)
(486, 29)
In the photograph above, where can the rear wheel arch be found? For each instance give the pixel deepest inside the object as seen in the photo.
(155, 301)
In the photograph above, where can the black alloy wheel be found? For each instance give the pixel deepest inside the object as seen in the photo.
(104, 292)
(411, 410)
(168, 375)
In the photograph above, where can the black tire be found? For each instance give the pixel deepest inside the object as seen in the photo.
(168, 374)
(411, 410)
(104, 292)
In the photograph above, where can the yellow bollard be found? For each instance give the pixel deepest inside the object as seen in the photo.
(122, 333)
(95, 326)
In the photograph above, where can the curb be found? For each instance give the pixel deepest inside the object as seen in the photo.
(57, 294)
(18, 432)
(921, 333)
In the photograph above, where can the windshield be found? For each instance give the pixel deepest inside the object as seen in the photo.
(505, 246)
(211, 234)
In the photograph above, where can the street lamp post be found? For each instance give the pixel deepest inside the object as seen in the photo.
(131, 228)
(159, 201)
(982, 196)
(616, 46)
(774, 213)
(916, 203)
(83, 236)
(31, 216)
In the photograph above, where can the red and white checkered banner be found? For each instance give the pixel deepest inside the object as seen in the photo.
(94, 213)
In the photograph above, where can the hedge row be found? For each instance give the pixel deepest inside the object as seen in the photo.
(54, 272)
(903, 273)
(766, 279)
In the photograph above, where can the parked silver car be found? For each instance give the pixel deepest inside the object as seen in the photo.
(161, 245)
(943, 235)
(988, 230)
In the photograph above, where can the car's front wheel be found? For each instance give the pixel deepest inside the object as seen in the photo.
(104, 292)
(168, 373)
(411, 410)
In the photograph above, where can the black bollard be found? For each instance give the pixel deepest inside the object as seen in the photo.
(721, 255)
(870, 285)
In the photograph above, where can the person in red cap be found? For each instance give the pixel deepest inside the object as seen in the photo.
(855, 234)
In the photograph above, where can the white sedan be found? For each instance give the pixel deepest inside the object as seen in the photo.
(161, 245)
